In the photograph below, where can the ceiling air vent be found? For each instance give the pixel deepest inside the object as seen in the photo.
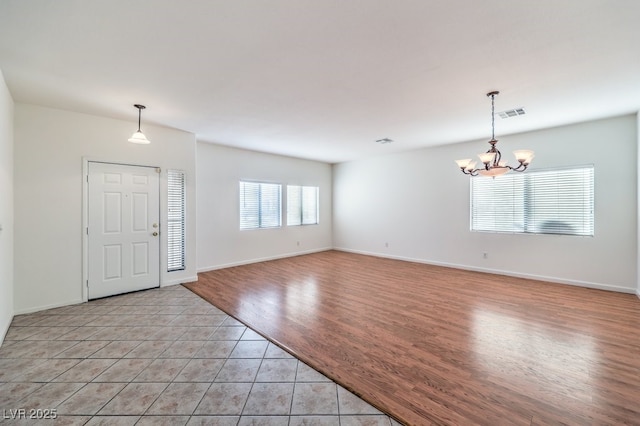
(384, 140)
(511, 113)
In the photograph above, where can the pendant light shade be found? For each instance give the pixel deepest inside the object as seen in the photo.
(138, 136)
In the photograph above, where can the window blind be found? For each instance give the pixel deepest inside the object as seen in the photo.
(260, 205)
(176, 220)
(558, 201)
(302, 205)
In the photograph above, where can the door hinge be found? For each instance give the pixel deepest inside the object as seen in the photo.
(87, 230)
(158, 169)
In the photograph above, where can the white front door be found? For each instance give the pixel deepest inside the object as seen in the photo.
(123, 229)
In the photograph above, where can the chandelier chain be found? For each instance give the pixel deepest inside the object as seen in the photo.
(493, 118)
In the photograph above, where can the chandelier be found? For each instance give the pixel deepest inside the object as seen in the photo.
(492, 163)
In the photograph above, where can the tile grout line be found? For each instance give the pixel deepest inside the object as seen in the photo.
(197, 335)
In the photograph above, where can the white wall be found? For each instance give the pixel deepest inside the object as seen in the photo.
(50, 149)
(418, 203)
(638, 259)
(6, 208)
(220, 241)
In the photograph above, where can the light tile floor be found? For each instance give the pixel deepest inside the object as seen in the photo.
(162, 357)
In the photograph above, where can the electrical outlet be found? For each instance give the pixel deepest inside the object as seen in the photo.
(485, 255)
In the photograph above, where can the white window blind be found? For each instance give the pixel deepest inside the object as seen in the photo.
(302, 205)
(260, 205)
(559, 201)
(176, 220)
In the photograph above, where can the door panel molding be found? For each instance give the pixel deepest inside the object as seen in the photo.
(148, 250)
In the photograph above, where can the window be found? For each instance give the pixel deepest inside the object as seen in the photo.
(302, 205)
(559, 201)
(260, 205)
(175, 220)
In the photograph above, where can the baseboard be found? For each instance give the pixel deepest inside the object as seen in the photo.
(179, 281)
(577, 283)
(261, 259)
(5, 330)
(45, 307)
(75, 302)
(638, 292)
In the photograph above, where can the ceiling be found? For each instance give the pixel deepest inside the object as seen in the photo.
(324, 79)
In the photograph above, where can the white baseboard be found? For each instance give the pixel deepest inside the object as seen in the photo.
(598, 286)
(179, 281)
(261, 259)
(5, 330)
(33, 309)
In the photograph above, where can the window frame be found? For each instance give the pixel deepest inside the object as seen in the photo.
(176, 215)
(260, 220)
(297, 218)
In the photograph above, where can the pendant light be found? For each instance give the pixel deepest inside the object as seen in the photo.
(492, 163)
(138, 136)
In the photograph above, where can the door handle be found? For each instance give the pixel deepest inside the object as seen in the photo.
(155, 234)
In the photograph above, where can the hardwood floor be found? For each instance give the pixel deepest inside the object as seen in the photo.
(433, 345)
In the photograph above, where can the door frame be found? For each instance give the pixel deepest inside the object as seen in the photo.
(85, 219)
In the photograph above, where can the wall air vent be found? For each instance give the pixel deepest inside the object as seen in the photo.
(511, 113)
(384, 140)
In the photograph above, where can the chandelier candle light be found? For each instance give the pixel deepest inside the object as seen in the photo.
(492, 159)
